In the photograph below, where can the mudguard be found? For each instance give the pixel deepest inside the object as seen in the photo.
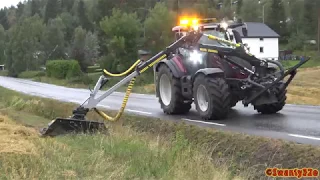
(175, 65)
(208, 71)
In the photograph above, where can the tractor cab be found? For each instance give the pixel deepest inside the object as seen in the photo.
(224, 30)
(195, 59)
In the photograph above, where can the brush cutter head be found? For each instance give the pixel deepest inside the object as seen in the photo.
(62, 126)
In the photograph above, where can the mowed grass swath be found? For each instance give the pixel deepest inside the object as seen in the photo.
(124, 154)
(137, 147)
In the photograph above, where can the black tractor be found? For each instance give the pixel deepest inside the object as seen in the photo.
(218, 72)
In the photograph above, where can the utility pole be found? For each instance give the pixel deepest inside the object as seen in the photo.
(263, 4)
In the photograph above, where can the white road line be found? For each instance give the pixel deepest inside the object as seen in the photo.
(203, 122)
(142, 112)
(104, 106)
(306, 137)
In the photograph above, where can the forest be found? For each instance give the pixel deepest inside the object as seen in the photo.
(110, 32)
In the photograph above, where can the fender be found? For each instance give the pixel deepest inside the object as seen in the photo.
(175, 65)
(208, 71)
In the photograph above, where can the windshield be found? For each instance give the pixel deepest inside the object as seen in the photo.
(206, 41)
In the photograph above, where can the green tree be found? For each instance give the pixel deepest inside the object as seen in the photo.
(52, 10)
(239, 7)
(2, 44)
(158, 27)
(35, 7)
(276, 18)
(4, 19)
(11, 17)
(91, 47)
(24, 44)
(20, 9)
(295, 16)
(104, 8)
(54, 42)
(83, 18)
(250, 11)
(78, 48)
(123, 30)
(70, 22)
(310, 19)
(67, 5)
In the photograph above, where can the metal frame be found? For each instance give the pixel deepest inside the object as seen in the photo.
(143, 66)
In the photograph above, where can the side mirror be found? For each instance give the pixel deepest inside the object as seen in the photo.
(245, 32)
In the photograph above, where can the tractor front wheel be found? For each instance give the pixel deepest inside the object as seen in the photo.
(170, 93)
(211, 97)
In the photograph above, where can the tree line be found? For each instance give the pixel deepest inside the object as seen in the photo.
(110, 32)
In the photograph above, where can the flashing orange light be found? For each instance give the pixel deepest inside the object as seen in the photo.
(184, 22)
(189, 22)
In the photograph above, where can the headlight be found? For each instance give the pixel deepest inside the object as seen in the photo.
(224, 25)
(195, 57)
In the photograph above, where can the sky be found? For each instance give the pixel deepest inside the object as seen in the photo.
(8, 3)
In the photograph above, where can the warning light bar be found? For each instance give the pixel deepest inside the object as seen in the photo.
(189, 22)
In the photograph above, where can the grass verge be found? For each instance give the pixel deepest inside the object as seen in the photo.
(125, 154)
(144, 148)
(305, 87)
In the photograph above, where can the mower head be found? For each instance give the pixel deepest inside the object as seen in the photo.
(75, 124)
(62, 126)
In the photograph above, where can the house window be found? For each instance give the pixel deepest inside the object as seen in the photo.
(261, 49)
(261, 39)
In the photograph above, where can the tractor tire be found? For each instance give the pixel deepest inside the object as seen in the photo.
(215, 91)
(275, 107)
(170, 93)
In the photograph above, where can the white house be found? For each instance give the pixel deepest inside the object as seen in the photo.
(262, 41)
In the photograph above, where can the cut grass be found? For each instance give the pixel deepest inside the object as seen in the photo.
(305, 87)
(144, 148)
(125, 154)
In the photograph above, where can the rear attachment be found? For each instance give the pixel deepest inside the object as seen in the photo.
(74, 124)
(62, 126)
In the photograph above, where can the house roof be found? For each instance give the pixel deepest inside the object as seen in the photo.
(258, 30)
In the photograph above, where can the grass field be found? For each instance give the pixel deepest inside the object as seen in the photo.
(305, 88)
(137, 148)
(124, 154)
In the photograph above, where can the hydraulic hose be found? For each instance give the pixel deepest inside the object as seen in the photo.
(123, 106)
(124, 73)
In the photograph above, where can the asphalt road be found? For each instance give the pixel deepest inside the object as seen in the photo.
(300, 124)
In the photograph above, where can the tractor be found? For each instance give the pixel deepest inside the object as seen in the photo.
(216, 75)
(207, 65)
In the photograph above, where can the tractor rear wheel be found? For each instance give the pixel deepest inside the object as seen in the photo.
(211, 97)
(169, 93)
(275, 107)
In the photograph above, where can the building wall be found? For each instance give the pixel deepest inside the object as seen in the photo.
(269, 47)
